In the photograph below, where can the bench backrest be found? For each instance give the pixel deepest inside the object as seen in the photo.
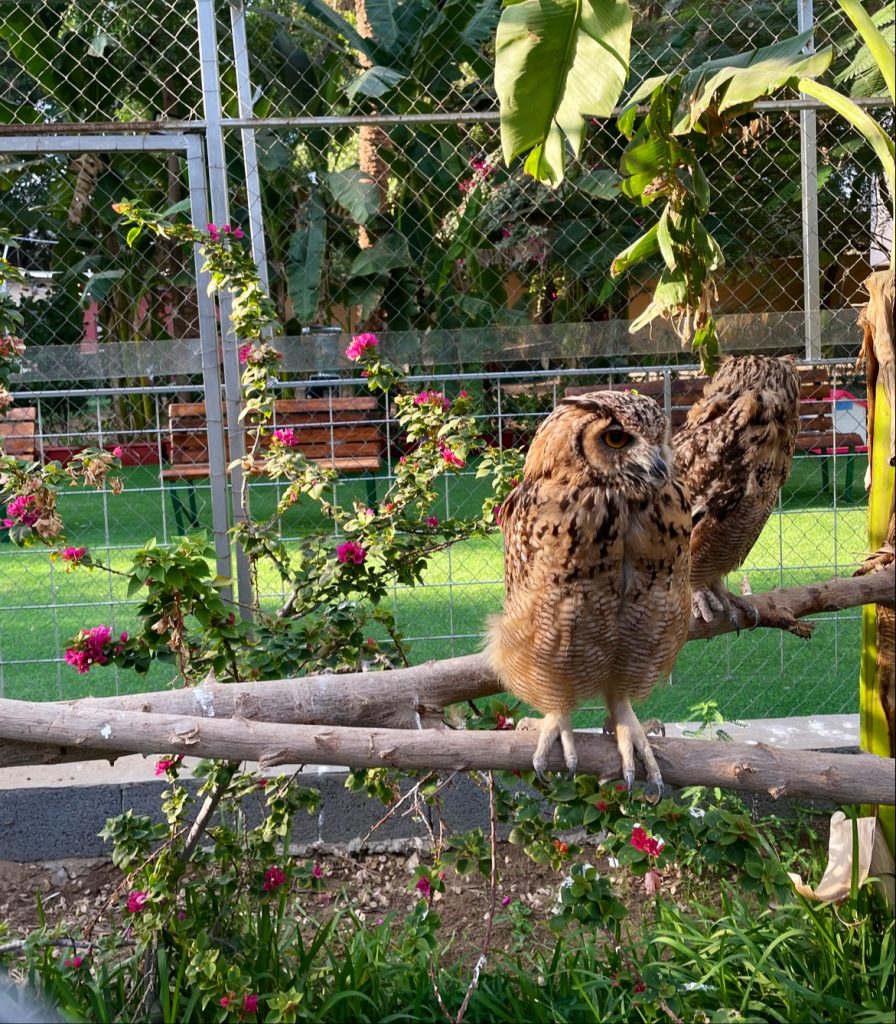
(325, 428)
(17, 432)
(816, 406)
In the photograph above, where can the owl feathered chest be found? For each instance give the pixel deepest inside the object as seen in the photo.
(593, 536)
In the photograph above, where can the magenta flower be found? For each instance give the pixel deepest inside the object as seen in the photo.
(641, 840)
(468, 184)
(452, 458)
(360, 344)
(224, 1001)
(118, 451)
(504, 722)
(213, 232)
(274, 877)
(287, 437)
(317, 871)
(137, 900)
(250, 1003)
(74, 962)
(505, 901)
(482, 167)
(73, 555)
(89, 648)
(245, 352)
(423, 886)
(238, 233)
(432, 398)
(432, 520)
(17, 511)
(164, 763)
(351, 552)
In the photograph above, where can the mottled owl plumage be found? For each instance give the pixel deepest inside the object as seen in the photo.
(596, 558)
(734, 453)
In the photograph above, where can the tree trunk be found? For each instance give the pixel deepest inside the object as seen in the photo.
(877, 687)
(752, 768)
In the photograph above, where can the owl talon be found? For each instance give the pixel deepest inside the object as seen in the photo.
(551, 727)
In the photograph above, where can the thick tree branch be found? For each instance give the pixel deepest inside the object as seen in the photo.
(860, 778)
(406, 698)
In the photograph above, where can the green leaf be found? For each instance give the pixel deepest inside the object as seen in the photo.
(386, 253)
(863, 122)
(874, 40)
(556, 62)
(356, 192)
(742, 78)
(99, 285)
(375, 81)
(305, 258)
(664, 239)
(639, 250)
(382, 21)
(599, 184)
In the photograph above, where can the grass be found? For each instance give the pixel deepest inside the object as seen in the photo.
(762, 674)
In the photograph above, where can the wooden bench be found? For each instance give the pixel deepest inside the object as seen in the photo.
(17, 437)
(817, 435)
(17, 432)
(341, 433)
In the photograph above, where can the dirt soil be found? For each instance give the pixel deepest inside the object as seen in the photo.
(77, 891)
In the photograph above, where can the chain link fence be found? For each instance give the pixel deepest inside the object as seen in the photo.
(358, 145)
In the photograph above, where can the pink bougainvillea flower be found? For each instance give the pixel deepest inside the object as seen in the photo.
(287, 437)
(137, 900)
(164, 763)
(359, 345)
(432, 520)
(90, 648)
(238, 233)
(642, 840)
(118, 451)
(423, 886)
(317, 871)
(503, 722)
(18, 511)
(274, 877)
(225, 1001)
(452, 458)
(73, 555)
(250, 1003)
(213, 232)
(432, 398)
(245, 352)
(351, 552)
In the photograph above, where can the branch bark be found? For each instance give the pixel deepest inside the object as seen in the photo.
(408, 698)
(845, 778)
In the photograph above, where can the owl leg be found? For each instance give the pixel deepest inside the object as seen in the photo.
(631, 738)
(549, 728)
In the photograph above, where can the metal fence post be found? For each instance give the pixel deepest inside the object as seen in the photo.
(220, 206)
(805, 17)
(211, 370)
(247, 135)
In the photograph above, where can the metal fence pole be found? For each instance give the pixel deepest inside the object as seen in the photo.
(805, 17)
(211, 371)
(220, 206)
(247, 135)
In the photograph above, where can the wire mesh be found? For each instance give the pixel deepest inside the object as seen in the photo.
(361, 145)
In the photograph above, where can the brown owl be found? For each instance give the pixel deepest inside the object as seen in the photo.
(734, 453)
(596, 556)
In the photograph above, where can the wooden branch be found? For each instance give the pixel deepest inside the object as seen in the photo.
(845, 778)
(406, 698)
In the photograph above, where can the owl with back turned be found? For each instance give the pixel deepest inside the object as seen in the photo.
(597, 600)
(734, 452)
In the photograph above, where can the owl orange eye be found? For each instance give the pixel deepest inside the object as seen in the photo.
(616, 437)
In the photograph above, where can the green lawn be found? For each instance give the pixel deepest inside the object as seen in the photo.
(754, 675)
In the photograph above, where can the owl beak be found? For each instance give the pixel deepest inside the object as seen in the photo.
(659, 468)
